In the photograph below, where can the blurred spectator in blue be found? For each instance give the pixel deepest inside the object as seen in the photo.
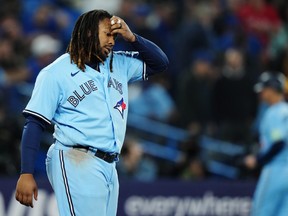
(230, 31)
(44, 50)
(144, 100)
(234, 100)
(49, 18)
(163, 21)
(133, 164)
(195, 91)
(196, 31)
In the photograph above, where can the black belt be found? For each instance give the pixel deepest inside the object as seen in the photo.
(108, 157)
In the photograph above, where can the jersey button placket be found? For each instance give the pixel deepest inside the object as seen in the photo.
(108, 101)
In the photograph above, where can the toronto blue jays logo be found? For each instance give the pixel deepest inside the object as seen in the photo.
(120, 106)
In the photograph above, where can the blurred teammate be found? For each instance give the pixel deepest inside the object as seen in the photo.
(85, 94)
(271, 196)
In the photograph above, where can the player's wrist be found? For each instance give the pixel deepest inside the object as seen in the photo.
(26, 174)
(133, 38)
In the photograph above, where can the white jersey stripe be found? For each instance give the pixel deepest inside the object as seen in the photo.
(145, 75)
(37, 115)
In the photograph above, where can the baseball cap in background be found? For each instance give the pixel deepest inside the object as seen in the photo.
(274, 80)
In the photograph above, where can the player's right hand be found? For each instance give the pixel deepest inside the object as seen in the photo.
(250, 162)
(119, 26)
(25, 190)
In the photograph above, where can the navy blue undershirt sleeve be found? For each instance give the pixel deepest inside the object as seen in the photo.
(30, 142)
(263, 159)
(155, 59)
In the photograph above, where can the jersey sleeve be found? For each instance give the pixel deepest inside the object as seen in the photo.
(45, 97)
(136, 68)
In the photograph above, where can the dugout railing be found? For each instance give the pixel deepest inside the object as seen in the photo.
(163, 141)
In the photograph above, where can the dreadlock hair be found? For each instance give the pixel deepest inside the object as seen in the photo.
(84, 43)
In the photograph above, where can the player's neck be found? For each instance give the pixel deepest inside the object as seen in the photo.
(95, 62)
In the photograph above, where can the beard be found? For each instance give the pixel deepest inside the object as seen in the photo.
(102, 55)
(98, 55)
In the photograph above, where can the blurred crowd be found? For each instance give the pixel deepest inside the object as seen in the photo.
(217, 50)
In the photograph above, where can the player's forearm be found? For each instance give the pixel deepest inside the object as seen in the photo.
(155, 59)
(263, 159)
(30, 143)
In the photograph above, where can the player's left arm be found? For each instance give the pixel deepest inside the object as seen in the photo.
(155, 59)
(275, 149)
(261, 159)
(26, 187)
(276, 136)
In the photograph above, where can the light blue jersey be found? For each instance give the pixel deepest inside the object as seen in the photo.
(271, 196)
(88, 108)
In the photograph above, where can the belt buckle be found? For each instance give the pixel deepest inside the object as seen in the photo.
(115, 156)
(105, 156)
(108, 157)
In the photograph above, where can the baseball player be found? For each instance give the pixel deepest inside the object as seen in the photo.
(271, 196)
(85, 94)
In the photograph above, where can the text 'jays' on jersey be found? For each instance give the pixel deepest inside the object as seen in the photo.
(88, 108)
